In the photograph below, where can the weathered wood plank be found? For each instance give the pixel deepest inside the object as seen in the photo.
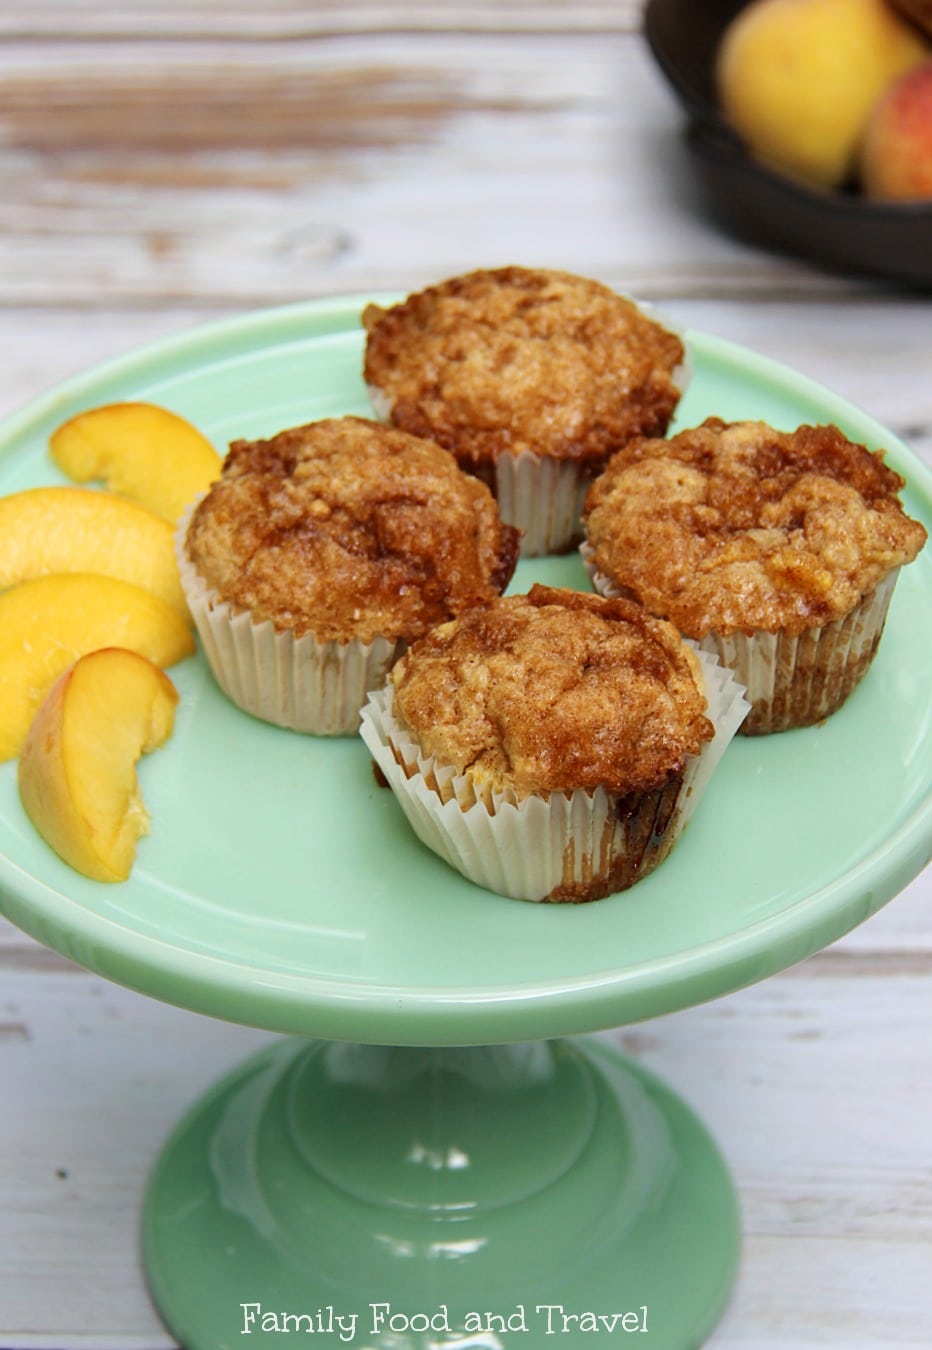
(220, 174)
(809, 1294)
(297, 18)
(806, 1083)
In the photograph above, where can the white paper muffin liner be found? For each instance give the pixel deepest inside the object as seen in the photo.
(541, 496)
(295, 682)
(793, 680)
(798, 680)
(544, 498)
(565, 846)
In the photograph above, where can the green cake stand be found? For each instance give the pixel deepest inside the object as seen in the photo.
(435, 1154)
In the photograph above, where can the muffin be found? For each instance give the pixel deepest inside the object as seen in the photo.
(551, 746)
(776, 550)
(319, 554)
(531, 378)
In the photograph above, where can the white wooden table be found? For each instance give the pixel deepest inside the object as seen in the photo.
(167, 161)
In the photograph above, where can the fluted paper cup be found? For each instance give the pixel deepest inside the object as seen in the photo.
(562, 847)
(792, 680)
(293, 681)
(796, 680)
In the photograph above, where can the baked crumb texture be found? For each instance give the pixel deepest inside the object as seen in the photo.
(554, 691)
(548, 744)
(321, 553)
(349, 530)
(778, 550)
(500, 365)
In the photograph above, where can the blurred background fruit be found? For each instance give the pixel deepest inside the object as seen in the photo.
(896, 157)
(798, 79)
(844, 229)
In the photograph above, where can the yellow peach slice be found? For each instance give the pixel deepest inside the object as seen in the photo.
(77, 771)
(141, 450)
(47, 623)
(71, 529)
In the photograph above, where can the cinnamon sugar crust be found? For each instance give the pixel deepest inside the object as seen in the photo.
(496, 362)
(554, 691)
(349, 529)
(737, 527)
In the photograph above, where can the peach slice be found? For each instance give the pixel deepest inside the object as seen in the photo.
(77, 771)
(47, 623)
(71, 529)
(141, 450)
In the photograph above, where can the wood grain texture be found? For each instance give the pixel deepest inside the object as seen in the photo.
(158, 170)
(247, 21)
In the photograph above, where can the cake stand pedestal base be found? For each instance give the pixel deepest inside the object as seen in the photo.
(418, 1199)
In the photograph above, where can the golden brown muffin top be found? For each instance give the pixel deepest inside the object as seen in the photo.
(496, 362)
(553, 691)
(349, 529)
(738, 527)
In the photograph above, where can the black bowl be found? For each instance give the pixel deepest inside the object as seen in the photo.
(839, 230)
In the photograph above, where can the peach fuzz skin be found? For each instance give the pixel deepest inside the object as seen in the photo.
(896, 162)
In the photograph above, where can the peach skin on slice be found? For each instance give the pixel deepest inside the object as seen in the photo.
(77, 770)
(141, 450)
(47, 623)
(72, 529)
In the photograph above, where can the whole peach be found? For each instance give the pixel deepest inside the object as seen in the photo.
(797, 79)
(896, 157)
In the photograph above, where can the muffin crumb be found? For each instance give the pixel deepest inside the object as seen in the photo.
(553, 691)
(348, 529)
(737, 527)
(496, 362)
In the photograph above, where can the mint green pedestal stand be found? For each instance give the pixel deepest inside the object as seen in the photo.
(281, 888)
(426, 1198)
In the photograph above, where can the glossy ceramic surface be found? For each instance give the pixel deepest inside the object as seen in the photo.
(412, 1199)
(280, 885)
